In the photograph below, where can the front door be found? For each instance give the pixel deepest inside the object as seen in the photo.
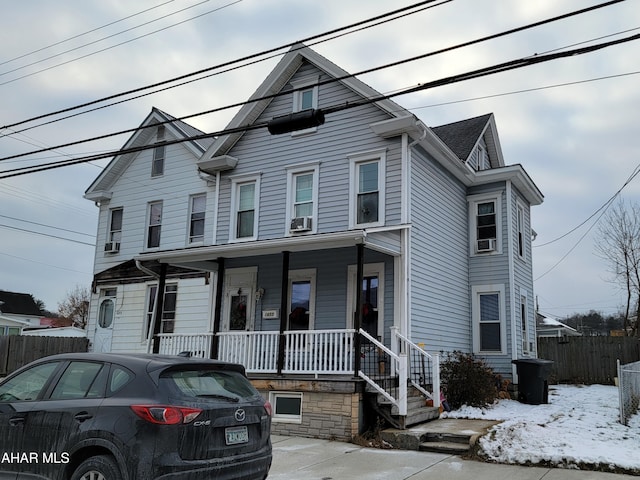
(106, 316)
(239, 299)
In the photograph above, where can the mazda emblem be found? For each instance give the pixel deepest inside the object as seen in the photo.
(240, 415)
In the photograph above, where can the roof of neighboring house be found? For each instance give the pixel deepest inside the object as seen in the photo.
(548, 323)
(462, 137)
(18, 303)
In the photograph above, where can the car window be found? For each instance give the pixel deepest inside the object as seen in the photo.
(204, 383)
(77, 381)
(28, 384)
(119, 378)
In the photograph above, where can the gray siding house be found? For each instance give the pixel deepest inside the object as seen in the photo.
(336, 262)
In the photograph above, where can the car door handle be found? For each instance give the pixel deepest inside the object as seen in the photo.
(15, 421)
(82, 416)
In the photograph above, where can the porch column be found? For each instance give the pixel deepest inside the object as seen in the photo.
(284, 288)
(217, 309)
(157, 312)
(358, 320)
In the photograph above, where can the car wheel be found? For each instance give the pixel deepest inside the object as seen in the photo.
(101, 467)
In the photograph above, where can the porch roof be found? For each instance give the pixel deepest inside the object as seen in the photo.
(201, 257)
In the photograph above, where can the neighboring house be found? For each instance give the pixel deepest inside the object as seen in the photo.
(550, 327)
(259, 243)
(17, 310)
(55, 332)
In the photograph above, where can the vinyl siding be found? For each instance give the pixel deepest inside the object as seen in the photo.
(440, 308)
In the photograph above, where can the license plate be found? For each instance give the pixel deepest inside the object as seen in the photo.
(236, 435)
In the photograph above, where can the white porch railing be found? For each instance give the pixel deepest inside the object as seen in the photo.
(199, 344)
(319, 352)
(257, 351)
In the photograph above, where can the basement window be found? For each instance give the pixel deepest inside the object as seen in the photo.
(287, 406)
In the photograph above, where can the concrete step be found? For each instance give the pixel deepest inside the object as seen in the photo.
(453, 448)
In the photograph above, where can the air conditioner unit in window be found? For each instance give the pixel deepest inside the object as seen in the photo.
(112, 247)
(486, 245)
(300, 224)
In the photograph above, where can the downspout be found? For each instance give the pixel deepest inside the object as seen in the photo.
(215, 210)
(512, 286)
(153, 274)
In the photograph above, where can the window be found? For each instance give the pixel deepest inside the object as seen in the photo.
(524, 320)
(244, 208)
(367, 189)
(196, 218)
(157, 166)
(485, 224)
(154, 225)
(115, 226)
(167, 322)
(28, 384)
(79, 381)
(302, 198)
(489, 319)
(107, 307)
(305, 97)
(520, 233)
(287, 406)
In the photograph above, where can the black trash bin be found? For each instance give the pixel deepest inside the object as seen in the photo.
(533, 375)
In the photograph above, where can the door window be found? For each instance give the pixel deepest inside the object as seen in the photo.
(238, 311)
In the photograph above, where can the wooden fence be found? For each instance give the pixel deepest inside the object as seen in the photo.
(17, 350)
(587, 360)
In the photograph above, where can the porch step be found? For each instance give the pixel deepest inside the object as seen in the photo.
(417, 410)
(444, 442)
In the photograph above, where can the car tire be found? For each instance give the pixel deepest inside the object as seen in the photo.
(101, 467)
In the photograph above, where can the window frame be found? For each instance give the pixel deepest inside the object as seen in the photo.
(149, 225)
(521, 231)
(236, 184)
(285, 418)
(300, 87)
(355, 162)
(293, 172)
(369, 270)
(107, 295)
(477, 291)
(150, 302)
(115, 232)
(196, 239)
(524, 319)
(473, 202)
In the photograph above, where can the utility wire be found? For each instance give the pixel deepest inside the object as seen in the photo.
(46, 235)
(505, 66)
(110, 47)
(46, 264)
(225, 64)
(48, 226)
(499, 68)
(84, 33)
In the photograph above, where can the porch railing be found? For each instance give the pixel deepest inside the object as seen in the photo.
(319, 352)
(257, 351)
(199, 345)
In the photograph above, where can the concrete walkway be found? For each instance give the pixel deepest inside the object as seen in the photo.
(295, 458)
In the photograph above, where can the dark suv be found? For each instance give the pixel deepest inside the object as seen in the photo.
(88, 416)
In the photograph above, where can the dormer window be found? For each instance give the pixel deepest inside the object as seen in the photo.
(305, 97)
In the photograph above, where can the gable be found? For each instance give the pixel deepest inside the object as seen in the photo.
(145, 135)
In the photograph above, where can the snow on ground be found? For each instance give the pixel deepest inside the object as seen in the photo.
(579, 425)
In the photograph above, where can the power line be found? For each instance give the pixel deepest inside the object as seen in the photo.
(83, 33)
(499, 68)
(47, 235)
(47, 226)
(110, 47)
(46, 264)
(504, 66)
(225, 64)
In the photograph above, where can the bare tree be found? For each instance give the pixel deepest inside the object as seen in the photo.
(619, 244)
(75, 306)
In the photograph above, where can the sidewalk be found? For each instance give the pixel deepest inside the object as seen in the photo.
(295, 458)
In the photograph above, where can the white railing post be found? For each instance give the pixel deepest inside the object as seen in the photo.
(395, 347)
(402, 387)
(436, 380)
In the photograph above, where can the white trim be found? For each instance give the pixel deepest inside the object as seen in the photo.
(190, 212)
(369, 269)
(293, 171)
(356, 159)
(520, 209)
(309, 83)
(148, 224)
(473, 201)
(242, 277)
(476, 291)
(236, 182)
(525, 340)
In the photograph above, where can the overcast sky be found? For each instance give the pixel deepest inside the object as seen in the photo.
(579, 142)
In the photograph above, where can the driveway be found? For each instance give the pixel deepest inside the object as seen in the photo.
(295, 458)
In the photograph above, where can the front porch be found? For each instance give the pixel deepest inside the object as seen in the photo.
(345, 362)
